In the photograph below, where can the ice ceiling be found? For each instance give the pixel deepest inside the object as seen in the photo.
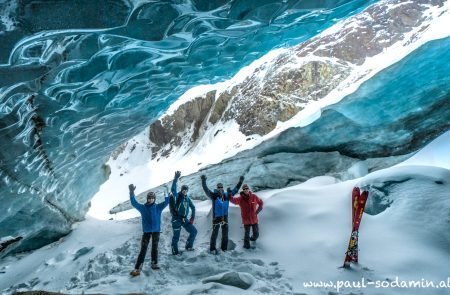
(77, 78)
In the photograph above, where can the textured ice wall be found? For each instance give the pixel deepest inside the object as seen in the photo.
(80, 77)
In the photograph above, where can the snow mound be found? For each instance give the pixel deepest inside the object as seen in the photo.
(405, 235)
(232, 278)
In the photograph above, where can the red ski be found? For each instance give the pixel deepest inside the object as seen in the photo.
(358, 204)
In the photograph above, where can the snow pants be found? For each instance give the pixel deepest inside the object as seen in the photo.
(254, 237)
(144, 245)
(176, 226)
(219, 222)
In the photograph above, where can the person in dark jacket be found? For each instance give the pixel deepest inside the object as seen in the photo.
(250, 205)
(180, 203)
(151, 226)
(220, 204)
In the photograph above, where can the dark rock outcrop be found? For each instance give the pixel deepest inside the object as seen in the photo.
(260, 106)
(185, 122)
(377, 28)
(6, 243)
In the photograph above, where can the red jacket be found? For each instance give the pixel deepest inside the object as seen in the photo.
(248, 207)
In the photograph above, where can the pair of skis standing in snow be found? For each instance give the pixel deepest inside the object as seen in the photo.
(181, 204)
(359, 200)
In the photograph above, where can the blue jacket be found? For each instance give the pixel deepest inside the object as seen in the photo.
(179, 204)
(220, 200)
(151, 214)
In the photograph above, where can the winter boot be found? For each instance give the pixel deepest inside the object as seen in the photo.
(155, 266)
(135, 272)
(246, 244)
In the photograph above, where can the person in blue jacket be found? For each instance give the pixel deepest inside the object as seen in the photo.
(151, 226)
(220, 202)
(180, 203)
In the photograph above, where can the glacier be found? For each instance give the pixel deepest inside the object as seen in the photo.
(307, 99)
(74, 88)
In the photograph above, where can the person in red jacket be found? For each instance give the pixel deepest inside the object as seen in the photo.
(250, 205)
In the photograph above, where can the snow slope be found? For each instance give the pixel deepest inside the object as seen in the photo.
(304, 235)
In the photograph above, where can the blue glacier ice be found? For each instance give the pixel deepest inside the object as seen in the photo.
(79, 78)
(396, 112)
(387, 118)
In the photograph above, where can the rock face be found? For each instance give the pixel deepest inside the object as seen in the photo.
(258, 107)
(280, 88)
(186, 122)
(377, 28)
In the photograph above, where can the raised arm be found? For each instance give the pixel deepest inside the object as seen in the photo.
(238, 185)
(164, 204)
(133, 201)
(207, 191)
(174, 183)
(231, 197)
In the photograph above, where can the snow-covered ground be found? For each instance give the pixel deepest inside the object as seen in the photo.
(304, 235)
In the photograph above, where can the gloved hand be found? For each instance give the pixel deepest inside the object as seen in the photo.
(191, 221)
(177, 174)
(203, 177)
(241, 178)
(131, 187)
(229, 191)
